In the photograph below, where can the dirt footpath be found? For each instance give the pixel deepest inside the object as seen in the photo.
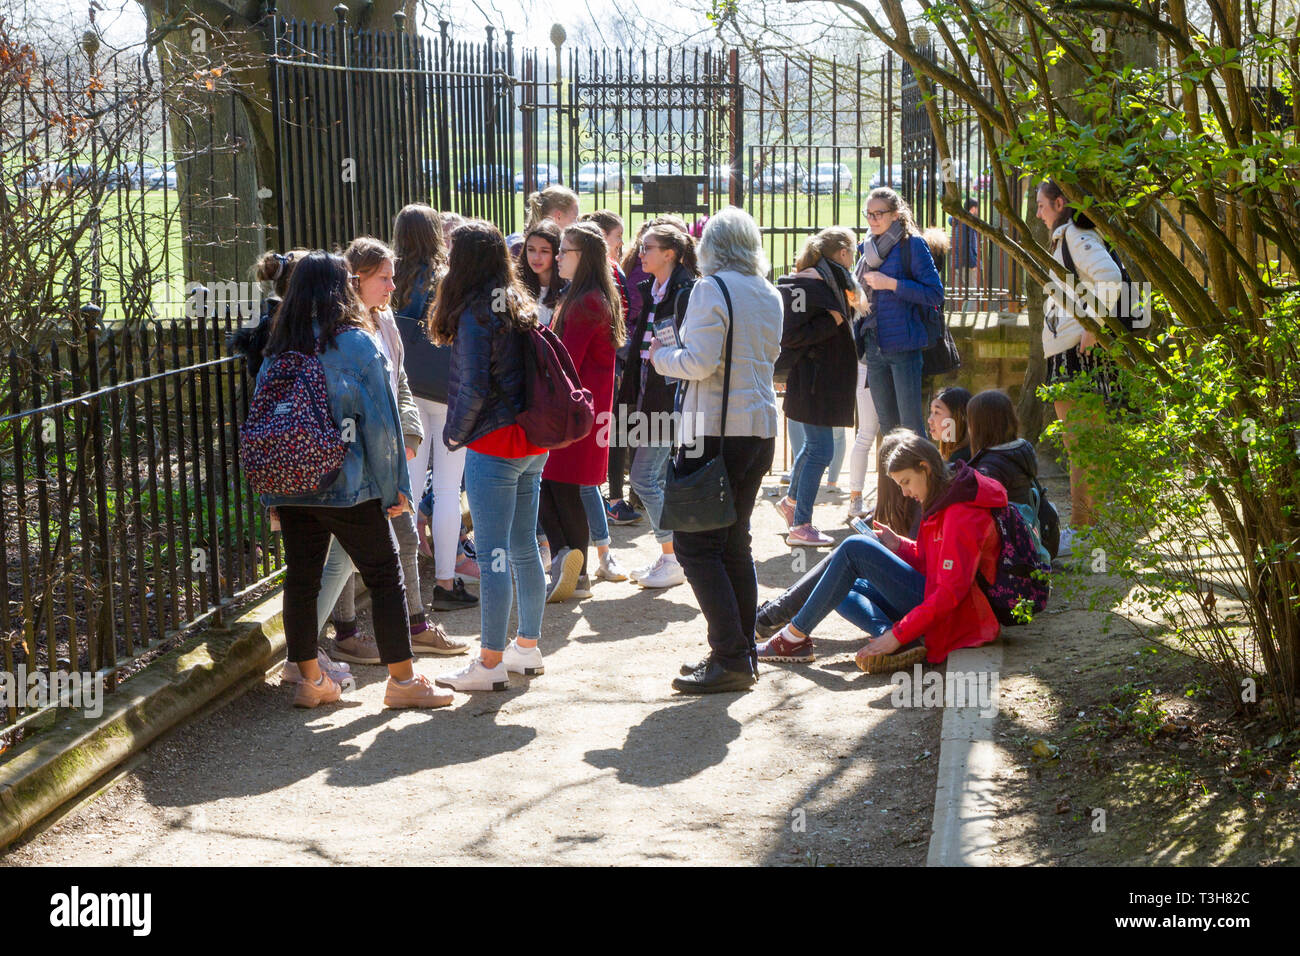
(598, 761)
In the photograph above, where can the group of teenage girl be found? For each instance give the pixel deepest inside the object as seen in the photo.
(846, 327)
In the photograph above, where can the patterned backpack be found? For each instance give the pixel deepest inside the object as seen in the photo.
(289, 444)
(1021, 586)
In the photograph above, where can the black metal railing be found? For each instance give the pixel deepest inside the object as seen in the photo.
(126, 517)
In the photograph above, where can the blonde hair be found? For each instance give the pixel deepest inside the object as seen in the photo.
(898, 204)
(825, 244)
(544, 202)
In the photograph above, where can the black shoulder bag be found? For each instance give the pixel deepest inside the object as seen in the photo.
(428, 366)
(941, 356)
(702, 500)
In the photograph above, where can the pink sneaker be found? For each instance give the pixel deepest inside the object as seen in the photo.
(786, 509)
(806, 536)
(467, 567)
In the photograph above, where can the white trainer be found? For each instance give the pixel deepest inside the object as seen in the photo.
(665, 573)
(475, 676)
(609, 569)
(523, 660)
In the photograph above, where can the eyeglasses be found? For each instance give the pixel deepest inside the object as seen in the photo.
(873, 216)
(564, 252)
(646, 247)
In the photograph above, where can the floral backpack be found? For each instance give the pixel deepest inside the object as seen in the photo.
(1021, 586)
(289, 444)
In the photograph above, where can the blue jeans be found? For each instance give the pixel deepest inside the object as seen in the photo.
(594, 504)
(503, 496)
(895, 380)
(868, 583)
(794, 431)
(809, 466)
(649, 472)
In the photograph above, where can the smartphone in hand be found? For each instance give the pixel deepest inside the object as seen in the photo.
(861, 527)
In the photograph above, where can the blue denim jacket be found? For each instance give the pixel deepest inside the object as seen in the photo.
(357, 379)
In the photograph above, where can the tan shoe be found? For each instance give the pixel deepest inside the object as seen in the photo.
(310, 695)
(888, 663)
(434, 640)
(359, 649)
(419, 693)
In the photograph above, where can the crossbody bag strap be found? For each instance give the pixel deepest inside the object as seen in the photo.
(726, 375)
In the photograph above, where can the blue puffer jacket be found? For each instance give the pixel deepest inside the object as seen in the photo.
(898, 319)
(487, 386)
(357, 380)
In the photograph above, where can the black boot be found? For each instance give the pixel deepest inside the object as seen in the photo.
(713, 678)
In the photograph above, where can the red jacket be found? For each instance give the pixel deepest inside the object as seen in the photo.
(586, 334)
(957, 539)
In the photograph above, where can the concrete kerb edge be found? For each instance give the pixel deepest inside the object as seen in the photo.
(62, 763)
(965, 798)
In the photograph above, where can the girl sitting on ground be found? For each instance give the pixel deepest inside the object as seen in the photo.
(892, 509)
(947, 423)
(921, 596)
(1000, 454)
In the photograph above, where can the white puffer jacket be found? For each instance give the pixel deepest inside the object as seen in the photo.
(1061, 329)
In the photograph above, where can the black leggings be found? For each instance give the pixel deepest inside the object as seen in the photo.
(618, 459)
(564, 519)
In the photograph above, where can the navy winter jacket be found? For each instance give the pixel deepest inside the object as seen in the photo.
(487, 386)
(897, 317)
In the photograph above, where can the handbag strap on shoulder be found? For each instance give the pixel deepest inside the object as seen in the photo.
(726, 375)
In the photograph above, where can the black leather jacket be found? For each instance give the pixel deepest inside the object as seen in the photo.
(486, 385)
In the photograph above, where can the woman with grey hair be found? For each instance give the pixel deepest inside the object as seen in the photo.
(731, 336)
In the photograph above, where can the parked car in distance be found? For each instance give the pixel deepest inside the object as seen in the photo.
(143, 176)
(64, 175)
(545, 176)
(893, 178)
(600, 177)
(482, 179)
(829, 178)
(779, 177)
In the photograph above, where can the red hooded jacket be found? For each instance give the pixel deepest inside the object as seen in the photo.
(957, 539)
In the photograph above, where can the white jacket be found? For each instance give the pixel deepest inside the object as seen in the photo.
(759, 312)
(1098, 281)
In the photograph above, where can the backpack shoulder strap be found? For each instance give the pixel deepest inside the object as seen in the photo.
(905, 250)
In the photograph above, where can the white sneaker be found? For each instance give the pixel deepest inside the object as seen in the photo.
(1066, 547)
(523, 660)
(336, 671)
(475, 676)
(610, 569)
(564, 575)
(666, 573)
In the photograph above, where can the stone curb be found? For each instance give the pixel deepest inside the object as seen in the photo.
(61, 763)
(965, 796)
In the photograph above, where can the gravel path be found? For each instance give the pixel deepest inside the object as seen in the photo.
(598, 761)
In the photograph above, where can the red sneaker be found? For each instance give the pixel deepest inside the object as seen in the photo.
(783, 646)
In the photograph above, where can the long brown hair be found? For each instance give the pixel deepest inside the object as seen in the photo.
(593, 274)
(992, 420)
(364, 255)
(679, 241)
(421, 249)
(896, 203)
(548, 230)
(894, 509)
(954, 398)
(479, 271)
(320, 290)
(632, 253)
(919, 454)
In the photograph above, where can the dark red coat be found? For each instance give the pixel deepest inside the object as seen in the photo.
(586, 334)
(957, 539)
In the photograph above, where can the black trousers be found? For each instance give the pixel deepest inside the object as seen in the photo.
(618, 461)
(720, 564)
(366, 535)
(564, 519)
